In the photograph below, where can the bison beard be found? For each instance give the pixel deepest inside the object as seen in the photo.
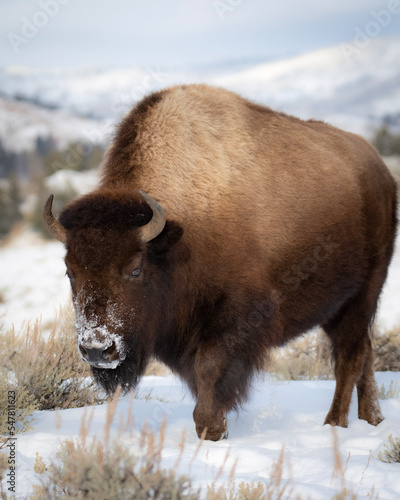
(126, 375)
(256, 227)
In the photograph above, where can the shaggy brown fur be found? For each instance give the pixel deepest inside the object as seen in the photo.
(274, 225)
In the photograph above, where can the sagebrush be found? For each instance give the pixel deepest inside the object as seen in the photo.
(391, 453)
(275, 488)
(309, 357)
(104, 468)
(17, 415)
(387, 350)
(93, 471)
(100, 469)
(392, 392)
(44, 368)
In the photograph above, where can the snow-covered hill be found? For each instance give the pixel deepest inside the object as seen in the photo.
(98, 93)
(356, 92)
(23, 123)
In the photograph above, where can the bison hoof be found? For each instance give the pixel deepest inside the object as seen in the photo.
(210, 426)
(336, 420)
(212, 434)
(374, 419)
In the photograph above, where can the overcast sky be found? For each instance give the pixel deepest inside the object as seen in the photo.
(54, 33)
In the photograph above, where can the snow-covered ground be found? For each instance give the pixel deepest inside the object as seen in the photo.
(388, 315)
(288, 414)
(33, 284)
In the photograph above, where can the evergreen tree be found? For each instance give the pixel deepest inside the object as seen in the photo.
(10, 202)
(386, 142)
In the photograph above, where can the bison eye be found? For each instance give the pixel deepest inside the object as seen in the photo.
(70, 275)
(135, 273)
(132, 269)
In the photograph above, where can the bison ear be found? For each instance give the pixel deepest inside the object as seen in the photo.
(170, 235)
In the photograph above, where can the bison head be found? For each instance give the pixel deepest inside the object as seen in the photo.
(119, 252)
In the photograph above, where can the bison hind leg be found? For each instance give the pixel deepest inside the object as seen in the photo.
(367, 392)
(354, 367)
(350, 335)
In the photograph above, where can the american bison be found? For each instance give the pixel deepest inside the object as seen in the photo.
(221, 229)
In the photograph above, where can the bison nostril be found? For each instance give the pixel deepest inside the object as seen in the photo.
(98, 356)
(109, 353)
(83, 351)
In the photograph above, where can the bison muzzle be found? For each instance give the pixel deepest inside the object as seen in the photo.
(221, 229)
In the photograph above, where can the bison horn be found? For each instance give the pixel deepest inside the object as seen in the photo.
(53, 226)
(157, 223)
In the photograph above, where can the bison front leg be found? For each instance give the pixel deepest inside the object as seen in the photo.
(209, 414)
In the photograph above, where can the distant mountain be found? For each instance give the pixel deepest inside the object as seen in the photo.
(93, 93)
(25, 127)
(355, 88)
(357, 92)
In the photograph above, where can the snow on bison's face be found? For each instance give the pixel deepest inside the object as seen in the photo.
(117, 262)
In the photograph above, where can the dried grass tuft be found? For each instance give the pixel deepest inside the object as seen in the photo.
(391, 454)
(101, 469)
(276, 488)
(309, 357)
(44, 369)
(306, 358)
(387, 350)
(392, 392)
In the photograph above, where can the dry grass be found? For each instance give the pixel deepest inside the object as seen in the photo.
(392, 392)
(106, 467)
(101, 469)
(339, 473)
(15, 415)
(303, 359)
(279, 488)
(45, 368)
(387, 350)
(276, 488)
(3, 472)
(391, 454)
(309, 357)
